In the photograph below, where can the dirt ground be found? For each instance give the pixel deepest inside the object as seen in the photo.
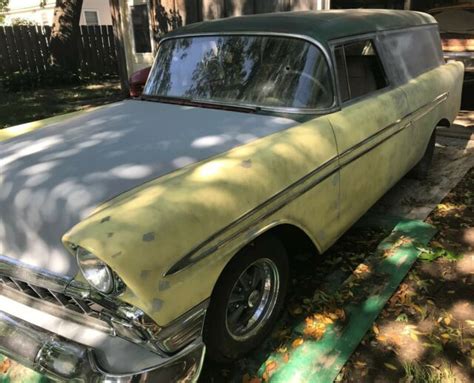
(426, 331)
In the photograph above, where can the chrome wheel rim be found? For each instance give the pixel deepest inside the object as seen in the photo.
(252, 299)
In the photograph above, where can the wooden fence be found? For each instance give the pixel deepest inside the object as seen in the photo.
(26, 49)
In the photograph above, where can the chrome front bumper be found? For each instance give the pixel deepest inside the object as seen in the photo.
(63, 359)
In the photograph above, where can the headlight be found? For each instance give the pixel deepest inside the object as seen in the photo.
(96, 272)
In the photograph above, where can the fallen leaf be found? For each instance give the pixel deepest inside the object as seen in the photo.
(375, 329)
(297, 342)
(390, 366)
(5, 365)
(270, 368)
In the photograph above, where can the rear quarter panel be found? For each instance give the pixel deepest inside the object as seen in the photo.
(432, 97)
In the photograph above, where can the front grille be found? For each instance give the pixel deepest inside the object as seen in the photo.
(82, 306)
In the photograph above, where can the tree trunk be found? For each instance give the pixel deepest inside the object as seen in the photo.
(64, 34)
(119, 43)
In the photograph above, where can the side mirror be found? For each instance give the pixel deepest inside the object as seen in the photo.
(137, 81)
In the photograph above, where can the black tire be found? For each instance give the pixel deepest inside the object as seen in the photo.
(422, 168)
(221, 343)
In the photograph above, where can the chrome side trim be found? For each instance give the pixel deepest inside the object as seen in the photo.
(302, 186)
(318, 44)
(312, 179)
(29, 274)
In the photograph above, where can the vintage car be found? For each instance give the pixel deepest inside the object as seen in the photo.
(137, 237)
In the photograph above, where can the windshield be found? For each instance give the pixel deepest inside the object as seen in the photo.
(263, 71)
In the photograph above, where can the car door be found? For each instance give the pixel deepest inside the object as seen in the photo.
(369, 129)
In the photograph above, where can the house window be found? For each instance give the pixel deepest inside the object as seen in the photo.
(91, 17)
(359, 68)
(45, 20)
(141, 28)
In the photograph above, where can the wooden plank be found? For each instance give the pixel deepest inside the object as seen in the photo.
(22, 48)
(6, 64)
(13, 50)
(107, 60)
(80, 52)
(99, 44)
(113, 48)
(34, 41)
(31, 46)
(43, 35)
(87, 49)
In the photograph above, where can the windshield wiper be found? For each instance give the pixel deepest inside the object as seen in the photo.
(201, 104)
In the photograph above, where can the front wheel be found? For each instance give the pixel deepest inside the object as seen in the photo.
(246, 300)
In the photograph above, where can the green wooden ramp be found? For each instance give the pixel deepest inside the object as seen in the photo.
(321, 345)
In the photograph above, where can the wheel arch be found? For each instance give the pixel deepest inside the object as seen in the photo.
(444, 122)
(294, 237)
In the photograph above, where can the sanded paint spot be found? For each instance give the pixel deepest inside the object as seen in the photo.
(164, 285)
(145, 273)
(148, 237)
(117, 254)
(157, 304)
(246, 164)
(105, 219)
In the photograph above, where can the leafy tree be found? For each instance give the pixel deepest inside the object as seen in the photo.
(3, 8)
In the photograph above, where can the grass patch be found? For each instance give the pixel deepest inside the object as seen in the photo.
(26, 106)
(417, 373)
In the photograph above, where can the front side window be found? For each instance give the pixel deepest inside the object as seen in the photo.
(262, 71)
(360, 71)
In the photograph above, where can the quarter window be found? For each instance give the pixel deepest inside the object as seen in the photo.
(413, 52)
(360, 70)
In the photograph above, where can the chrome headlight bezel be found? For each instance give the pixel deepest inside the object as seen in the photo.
(96, 272)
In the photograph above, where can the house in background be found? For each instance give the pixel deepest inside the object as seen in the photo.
(143, 22)
(94, 12)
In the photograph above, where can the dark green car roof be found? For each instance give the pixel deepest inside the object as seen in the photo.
(319, 25)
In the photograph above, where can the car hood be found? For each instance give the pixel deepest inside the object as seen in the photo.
(56, 176)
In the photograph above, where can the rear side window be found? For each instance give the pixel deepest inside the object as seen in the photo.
(411, 52)
(360, 71)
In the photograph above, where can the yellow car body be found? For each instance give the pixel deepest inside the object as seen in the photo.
(169, 239)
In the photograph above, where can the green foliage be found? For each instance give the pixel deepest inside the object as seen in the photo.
(21, 21)
(3, 8)
(430, 255)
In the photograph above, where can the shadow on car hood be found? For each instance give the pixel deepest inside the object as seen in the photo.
(54, 177)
